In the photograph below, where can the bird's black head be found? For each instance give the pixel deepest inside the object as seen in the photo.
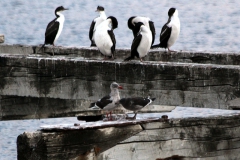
(137, 27)
(60, 8)
(114, 22)
(171, 12)
(100, 8)
(130, 24)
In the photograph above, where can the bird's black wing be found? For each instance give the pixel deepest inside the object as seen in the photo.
(140, 101)
(91, 30)
(152, 28)
(134, 104)
(103, 101)
(112, 36)
(134, 46)
(51, 31)
(136, 42)
(165, 35)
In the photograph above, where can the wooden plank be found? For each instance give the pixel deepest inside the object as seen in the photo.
(72, 143)
(157, 108)
(155, 138)
(121, 110)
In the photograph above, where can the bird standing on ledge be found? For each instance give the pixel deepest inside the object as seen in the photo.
(105, 38)
(141, 43)
(135, 104)
(132, 21)
(170, 31)
(54, 28)
(110, 101)
(102, 17)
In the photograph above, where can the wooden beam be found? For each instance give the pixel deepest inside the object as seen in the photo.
(189, 138)
(69, 144)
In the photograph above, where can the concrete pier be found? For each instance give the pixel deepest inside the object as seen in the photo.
(38, 85)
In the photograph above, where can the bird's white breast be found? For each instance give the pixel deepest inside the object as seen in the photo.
(98, 21)
(175, 24)
(145, 43)
(102, 38)
(61, 20)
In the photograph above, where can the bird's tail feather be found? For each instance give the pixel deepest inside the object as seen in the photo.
(92, 105)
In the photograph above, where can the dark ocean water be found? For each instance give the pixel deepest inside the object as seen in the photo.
(205, 26)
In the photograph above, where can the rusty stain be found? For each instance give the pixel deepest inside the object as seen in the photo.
(97, 150)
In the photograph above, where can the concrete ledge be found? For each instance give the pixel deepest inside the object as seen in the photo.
(154, 55)
(77, 78)
(81, 76)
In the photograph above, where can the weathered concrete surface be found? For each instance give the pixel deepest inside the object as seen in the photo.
(17, 107)
(70, 144)
(68, 83)
(201, 137)
(154, 55)
(192, 139)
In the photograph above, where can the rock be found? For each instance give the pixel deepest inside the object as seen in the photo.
(1, 38)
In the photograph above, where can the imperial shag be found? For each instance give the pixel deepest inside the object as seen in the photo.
(146, 21)
(170, 31)
(105, 38)
(141, 43)
(54, 28)
(102, 17)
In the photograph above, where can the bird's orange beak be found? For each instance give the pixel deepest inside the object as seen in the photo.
(120, 87)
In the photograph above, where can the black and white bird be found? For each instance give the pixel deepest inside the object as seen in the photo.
(135, 104)
(105, 38)
(102, 17)
(170, 31)
(146, 21)
(141, 43)
(54, 28)
(110, 101)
